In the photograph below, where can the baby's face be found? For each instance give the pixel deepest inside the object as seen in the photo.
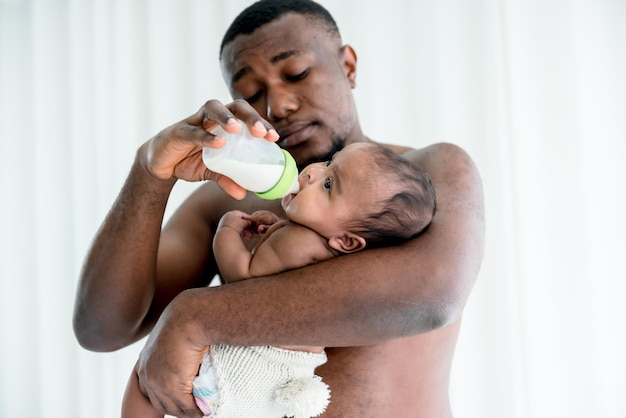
(334, 192)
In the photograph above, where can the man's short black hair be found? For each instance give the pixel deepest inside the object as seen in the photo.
(265, 11)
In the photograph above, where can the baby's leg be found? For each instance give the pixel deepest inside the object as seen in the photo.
(135, 404)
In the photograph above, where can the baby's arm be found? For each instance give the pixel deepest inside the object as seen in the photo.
(231, 254)
(285, 245)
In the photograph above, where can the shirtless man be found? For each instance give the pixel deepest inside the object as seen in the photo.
(390, 317)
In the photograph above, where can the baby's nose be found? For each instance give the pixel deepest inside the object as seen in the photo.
(312, 172)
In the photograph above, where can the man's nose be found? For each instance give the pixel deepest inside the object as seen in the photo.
(280, 103)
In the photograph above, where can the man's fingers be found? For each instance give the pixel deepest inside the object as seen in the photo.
(188, 407)
(197, 136)
(159, 403)
(226, 184)
(214, 113)
(212, 110)
(169, 405)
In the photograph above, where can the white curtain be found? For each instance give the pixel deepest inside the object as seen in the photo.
(534, 90)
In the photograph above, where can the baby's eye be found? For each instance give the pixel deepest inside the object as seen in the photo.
(327, 163)
(328, 182)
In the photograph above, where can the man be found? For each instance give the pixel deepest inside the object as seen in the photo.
(390, 316)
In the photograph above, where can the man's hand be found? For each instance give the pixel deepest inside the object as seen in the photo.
(168, 364)
(176, 151)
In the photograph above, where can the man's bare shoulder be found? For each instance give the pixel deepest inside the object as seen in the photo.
(450, 166)
(445, 150)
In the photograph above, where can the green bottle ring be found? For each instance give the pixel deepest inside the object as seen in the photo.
(284, 183)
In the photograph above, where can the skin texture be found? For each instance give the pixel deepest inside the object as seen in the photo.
(390, 316)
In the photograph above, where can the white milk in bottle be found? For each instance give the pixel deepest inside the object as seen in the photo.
(253, 163)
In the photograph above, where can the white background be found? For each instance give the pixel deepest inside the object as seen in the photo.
(534, 90)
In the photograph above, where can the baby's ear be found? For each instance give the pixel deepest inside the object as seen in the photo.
(347, 243)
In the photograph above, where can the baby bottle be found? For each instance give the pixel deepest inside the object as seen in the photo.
(253, 163)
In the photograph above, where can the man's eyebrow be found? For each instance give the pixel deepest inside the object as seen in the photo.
(284, 56)
(275, 59)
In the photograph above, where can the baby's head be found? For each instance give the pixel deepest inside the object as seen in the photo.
(366, 194)
(404, 200)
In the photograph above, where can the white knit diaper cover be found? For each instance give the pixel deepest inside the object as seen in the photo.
(260, 382)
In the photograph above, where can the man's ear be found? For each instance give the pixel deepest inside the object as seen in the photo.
(349, 63)
(347, 243)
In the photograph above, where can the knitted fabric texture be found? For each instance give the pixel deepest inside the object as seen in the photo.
(262, 382)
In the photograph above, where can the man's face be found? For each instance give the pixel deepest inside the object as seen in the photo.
(297, 76)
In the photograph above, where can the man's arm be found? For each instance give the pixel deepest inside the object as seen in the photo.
(127, 277)
(123, 251)
(129, 274)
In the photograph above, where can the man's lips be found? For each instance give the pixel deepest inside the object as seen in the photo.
(295, 134)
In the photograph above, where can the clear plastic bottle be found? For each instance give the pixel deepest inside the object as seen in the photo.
(253, 163)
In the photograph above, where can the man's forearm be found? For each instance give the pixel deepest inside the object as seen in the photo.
(117, 281)
(364, 303)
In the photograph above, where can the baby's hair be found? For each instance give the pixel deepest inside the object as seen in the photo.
(266, 11)
(409, 207)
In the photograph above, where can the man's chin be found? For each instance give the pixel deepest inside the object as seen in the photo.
(306, 155)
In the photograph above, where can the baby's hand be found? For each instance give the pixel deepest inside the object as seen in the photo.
(239, 221)
(261, 220)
